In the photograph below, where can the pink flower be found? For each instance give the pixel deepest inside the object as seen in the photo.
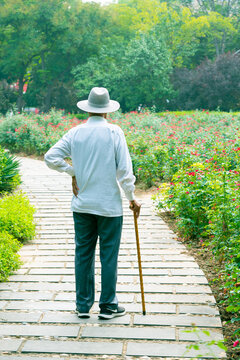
(236, 343)
(187, 192)
(139, 169)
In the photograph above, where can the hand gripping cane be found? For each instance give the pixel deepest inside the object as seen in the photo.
(139, 263)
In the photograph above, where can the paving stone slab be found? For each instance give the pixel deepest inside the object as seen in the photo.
(26, 357)
(187, 272)
(45, 286)
(151, 308)
(145, 272)
(179, 298)
(22, 317)
(152, 247)
(192, 289)
(63, 318)
(148, 288)
(26, 295)
(10, 344)
(2, 303)
(72, 347)
(34, 278)
(175, 279)
(169, 265)
(39, 330)
(72, 296)
(43, 253)
(8, 286)
(154, 279)
(40, 305)
(47, 265)
(51, 271)
(180, 320)
(199, 335)
(198, 309)
(170, 350)
(148, 333)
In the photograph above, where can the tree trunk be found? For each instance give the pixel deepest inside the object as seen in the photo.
(20, 94)
(217, 47)
(48, 98)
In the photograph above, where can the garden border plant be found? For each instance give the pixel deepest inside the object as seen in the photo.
(16, 216)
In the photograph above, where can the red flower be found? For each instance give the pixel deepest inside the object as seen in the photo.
(236, 343)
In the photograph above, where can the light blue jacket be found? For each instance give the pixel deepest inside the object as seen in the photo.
(100, 160)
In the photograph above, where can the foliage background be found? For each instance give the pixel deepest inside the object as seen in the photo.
(179, 54)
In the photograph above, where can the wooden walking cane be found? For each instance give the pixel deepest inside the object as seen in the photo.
(139, 263)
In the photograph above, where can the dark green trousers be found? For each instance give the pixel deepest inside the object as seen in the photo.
(88, 228)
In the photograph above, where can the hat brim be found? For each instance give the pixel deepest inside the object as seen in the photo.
(113, 106)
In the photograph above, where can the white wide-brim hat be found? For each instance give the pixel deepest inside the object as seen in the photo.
(98, 102)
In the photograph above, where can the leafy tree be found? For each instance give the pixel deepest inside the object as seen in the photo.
(210, 86)
(144, 75)
(16, 34)
(226, 8)
(7, 97)
(80, 32)
(137, 75)
(212, 30)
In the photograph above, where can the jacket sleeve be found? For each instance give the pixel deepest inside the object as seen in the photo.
(55, 156)
(124, 166)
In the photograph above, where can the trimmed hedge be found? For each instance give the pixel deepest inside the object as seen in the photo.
(16, 217)
(9, 259)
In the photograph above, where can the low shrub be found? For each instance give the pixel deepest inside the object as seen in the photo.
(80, 116)
(205, 200)
(16, 217)
(9, 259)
(9, 171)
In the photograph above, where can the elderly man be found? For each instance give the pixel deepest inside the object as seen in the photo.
(100, 160)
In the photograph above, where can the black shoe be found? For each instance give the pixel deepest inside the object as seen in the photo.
(82, 315)
(109, 313)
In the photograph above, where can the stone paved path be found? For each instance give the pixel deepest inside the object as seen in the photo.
(37, 319)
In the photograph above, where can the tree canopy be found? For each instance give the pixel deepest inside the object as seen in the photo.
(59, 49)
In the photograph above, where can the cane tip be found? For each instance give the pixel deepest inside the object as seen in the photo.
(144, 312)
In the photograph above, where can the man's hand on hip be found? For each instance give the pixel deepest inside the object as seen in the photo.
(135, 207)
(75, 188)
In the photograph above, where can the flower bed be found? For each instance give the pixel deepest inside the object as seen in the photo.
(196, 154)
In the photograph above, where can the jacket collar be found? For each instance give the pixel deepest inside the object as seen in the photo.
(96, 119)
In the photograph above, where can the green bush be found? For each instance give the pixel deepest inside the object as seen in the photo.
(80, 116)
(16, 217)
(8, 136)
(9, 259)
(9, 171)
(7, 97)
